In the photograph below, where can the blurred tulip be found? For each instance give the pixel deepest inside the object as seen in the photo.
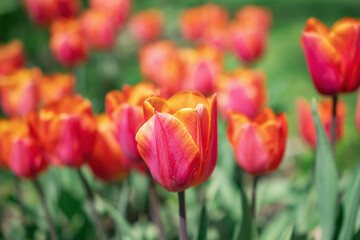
(333, 55)
(202, 67)
(19, 92)
(11, 57)
(146, 25)
(108, 162)
(161, 63)
(324, 107)
(68, 8)
(99, 28)
(258, 144)
(194, 21)
(67, 42)
(53, 88)
(242, 90)
(118, 9)
(125, 111)
(178, 141)
(260, 17)
(66, 130)
(217, 36)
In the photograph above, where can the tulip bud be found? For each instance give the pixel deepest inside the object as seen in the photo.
(324, 107)
(243, 86)
(258, 144)
(11, 57)
(118, 9)
(178, 141)
(333, 55)
(55, 87)
(146, 25)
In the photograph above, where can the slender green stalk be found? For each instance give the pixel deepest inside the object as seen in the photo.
(154, 206)
(333, 123)
(253, 197)
(182, 216)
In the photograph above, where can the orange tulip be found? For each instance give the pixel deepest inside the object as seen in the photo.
(53, 88)
(146, 25)
(125, 111)
(161, 63)
(258, 16)
(67, 42)
(258, 144)
(108, 162)
(178, 141)
(324, 107)
(19, 92)
(242, 90)
(333, 55)
(118, 9)
(11, 57)
(66, 130)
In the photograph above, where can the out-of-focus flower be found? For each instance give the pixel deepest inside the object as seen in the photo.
(108, 162)
(258, 144)
(260, 17)
(202, 67)
(125, 111)
(67, 42)
(194, 21)
(242, 90)
(161, 63)
(19, 92)
(54, 87)
(333, 55)
(146, 25)
(217, 36)
(118, 9)
(66, 130)
(324, 107)
(178, 141)
(68, 8)
(11, 57)
(99, 28)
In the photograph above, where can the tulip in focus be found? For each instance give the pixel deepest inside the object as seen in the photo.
(11, 57)
(333, 55)
(19, 92)
(242, 90)
(146, 25)
(57, 86)
(118, 9)
(258, 144)
(178, 141)
(324, 107)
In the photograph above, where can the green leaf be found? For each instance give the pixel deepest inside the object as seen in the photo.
(244, 229)
(326, 180)
(350, 205)
(288, 233)
(275, 228)
(203, 223)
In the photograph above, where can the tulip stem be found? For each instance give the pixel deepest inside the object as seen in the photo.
(333, 123)
(182, 216)
(253, 197)
(154, 205)
(49, 221)
(90, 198)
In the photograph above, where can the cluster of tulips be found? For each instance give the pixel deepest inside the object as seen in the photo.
(166, 125)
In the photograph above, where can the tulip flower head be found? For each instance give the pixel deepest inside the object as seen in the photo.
(324, 107)
(333, 55)
(55, 87)
(258, 144)
(118, 9)
(146, 25)
(256, 15)
(217, 36)
(178, 141)
(11, 57)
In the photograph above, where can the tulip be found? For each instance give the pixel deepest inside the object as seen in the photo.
(19, 92)
(118, 9)
(217, 36)
(67, 42)
(146, 25)
(125, 111)
(242, 90)
(258, 144)
(333, 55)
(57, 86)
(178, 141)
(258, 16)
(161, 63)
(99, 28)
(324, 107)
(66, 129)
(68, 8)
(357, 114)
(11, 57)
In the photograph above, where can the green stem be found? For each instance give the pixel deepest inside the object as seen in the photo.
(182, 216)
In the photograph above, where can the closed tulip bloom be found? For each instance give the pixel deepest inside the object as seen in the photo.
(67, 42)
(324, 107)
(242, 90)
(178, 141)
(258, 144)
(146, 25)
(19, 92)
(55, 87)
(118, 9)
(333, 55)
(11, 57)
(217, 36)
(258, 16)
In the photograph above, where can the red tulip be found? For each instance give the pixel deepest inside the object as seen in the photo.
(242, 90)
(11, 57)
(333, 55)
(118, 9)
(178, 141)
(68, 8)
(258, 144)
(146, 25)
(55, 87)
(324, 107)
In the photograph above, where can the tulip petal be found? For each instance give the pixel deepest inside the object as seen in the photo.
(112, 100)
(283, 130)
(264, 116)
(235, 119)
(187, 100)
